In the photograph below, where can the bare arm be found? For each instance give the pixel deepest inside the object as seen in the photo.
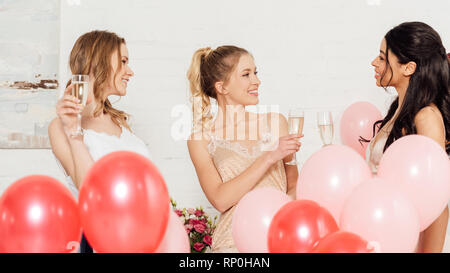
(434, 235)
(71, 152)
(225, 195)
(292, 177)
(429, 123)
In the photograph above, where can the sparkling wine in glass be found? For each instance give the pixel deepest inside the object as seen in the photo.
(296, 119)
(80, 91)
(325, 124)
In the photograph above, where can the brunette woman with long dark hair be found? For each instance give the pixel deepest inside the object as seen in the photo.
(413, 60)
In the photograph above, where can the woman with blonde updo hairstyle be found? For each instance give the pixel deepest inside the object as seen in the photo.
(236, 151)
(103, 56)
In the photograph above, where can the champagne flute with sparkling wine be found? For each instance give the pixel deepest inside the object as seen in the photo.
(296, 119)
(325, 124)
(80, 91)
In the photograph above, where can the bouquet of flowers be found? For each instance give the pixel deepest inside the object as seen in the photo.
(198, 225)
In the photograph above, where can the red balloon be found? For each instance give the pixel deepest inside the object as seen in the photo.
(124, 204)
(297, 227)
(342, 242)
(38, 214)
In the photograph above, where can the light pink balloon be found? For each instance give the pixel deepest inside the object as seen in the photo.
(381, 213)
(252, 217)
(175, 239)
(357, 120)
(421, 167)
(330, 175)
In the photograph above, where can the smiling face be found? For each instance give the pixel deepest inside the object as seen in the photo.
(121, 72)
(387, 72)
(243, 83)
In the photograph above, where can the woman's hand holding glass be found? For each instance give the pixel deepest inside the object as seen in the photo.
(286, 146)
(68, 108)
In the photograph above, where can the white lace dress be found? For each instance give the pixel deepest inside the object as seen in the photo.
(100, 144)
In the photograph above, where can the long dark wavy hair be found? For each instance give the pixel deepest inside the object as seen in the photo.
(419, 43)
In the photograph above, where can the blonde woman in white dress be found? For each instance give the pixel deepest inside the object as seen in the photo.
(104, 57)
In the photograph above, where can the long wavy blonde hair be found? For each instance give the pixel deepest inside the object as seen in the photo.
(91, 55)
(209, 66)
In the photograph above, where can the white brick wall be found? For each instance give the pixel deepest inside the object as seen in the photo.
(315, 54)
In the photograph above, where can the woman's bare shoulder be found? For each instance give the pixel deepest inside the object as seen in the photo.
(197, 140)
(429, 114)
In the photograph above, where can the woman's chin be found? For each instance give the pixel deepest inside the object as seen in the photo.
(253, 101)
(122, 92)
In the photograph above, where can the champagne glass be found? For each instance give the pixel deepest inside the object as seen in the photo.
(296, 119)
(80, 91)
(325, 124)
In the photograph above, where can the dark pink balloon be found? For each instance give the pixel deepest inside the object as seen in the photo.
(298, 226)
(38, 214)
(124, 204)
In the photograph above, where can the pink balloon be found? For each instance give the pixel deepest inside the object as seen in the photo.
(357, 120)
(330, 175)
(252, 217)
(175, 238)
(381, 213)
(421, 167)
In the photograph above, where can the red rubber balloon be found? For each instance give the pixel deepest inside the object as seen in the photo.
(342, 242)
(124, 204)
(297, 227)
(38, 214)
